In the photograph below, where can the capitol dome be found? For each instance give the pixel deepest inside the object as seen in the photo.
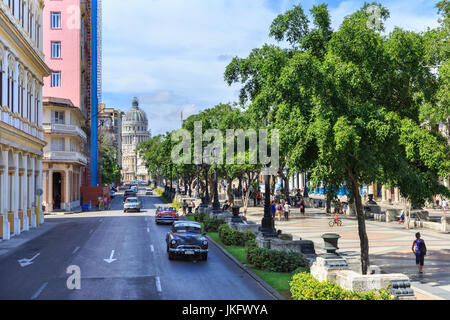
(136, 114)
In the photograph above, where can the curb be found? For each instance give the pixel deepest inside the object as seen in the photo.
(425, 293)
(260, 281)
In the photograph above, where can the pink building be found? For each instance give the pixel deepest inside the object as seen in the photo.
(66, 96)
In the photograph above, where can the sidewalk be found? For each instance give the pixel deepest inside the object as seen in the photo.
(389, 246)
(8, 247)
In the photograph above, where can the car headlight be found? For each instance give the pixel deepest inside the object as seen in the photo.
(204, 242)
(173, 242)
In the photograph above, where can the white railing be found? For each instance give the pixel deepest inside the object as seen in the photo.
(65, 128)
(19, 123)
(65, 156)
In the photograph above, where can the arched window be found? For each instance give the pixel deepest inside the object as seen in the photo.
(1, 75)
(29, 95)
(36, 103)
(20, 92)
(11, 84)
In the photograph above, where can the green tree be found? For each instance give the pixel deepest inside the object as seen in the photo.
(110, 170)
(349, 112)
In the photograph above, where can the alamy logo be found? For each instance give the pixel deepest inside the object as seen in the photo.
(255, 152)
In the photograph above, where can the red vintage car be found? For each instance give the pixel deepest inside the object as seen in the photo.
(166, 215)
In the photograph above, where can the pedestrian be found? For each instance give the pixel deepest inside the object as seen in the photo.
(184, 206)
(258, 198)
(402, 217)
(287, 210)
(279, 210)
(420, 250)
(444, 205)
(273, 209)
(302, 206)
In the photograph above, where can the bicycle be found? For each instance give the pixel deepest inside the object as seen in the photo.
(334, 222)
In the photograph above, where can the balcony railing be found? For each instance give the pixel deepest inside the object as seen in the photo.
(66, 156)
(22, 124)
(65, 129)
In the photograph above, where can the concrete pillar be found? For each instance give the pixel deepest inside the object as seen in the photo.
(66, 187)
(32, 194)
(5, 227)
(38, 172)
(50, 190)
(16, 191)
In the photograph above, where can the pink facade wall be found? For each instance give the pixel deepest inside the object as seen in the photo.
(70, 62)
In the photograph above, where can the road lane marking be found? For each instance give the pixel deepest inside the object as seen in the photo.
(76, 249)
(26, 262)
(92, 230)
(152, 248)
(110, 260)
(158, 285)
(39, 291)
(148, 229)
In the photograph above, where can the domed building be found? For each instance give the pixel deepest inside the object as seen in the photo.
(134, 131)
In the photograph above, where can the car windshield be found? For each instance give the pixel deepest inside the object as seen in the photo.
(187, 229)
(132, 200)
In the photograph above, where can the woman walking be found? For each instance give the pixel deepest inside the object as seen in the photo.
(420, 250)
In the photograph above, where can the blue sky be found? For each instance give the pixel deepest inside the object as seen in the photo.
(172, 54)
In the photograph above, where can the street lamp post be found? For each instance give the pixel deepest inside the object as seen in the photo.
(267, 223)
(207, 192)
(216, 203)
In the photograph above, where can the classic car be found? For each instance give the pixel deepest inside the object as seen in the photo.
(127, 194)
(166, 215)
(132, 204)
(149, 191)
(186, 238)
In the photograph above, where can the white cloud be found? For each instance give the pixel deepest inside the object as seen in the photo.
(173, 53)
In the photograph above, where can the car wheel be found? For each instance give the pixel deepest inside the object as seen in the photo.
(124, 211)
(171, 257)
(204, 256)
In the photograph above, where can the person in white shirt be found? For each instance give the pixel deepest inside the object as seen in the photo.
(444, 205)
(287, 209)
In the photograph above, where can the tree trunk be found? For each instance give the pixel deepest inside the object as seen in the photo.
(229, 191)
(363, 239)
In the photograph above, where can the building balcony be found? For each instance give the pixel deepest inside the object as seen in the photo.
(65, 156)
(64, 129)
(19, 123)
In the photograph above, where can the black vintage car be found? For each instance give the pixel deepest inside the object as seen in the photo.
(187, 239)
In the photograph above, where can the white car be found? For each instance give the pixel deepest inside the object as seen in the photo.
(149, 191)
(132, 204)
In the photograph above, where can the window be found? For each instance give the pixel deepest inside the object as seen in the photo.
(56, 79)
(55, 20)
(58, 117)
(56, 49)
(57, 144)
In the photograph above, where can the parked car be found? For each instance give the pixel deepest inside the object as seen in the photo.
(132, 204)
(166, 215)
(149, 191)
(186, 238)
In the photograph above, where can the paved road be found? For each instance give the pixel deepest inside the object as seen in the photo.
(141, 269)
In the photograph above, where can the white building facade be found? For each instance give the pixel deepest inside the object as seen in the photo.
(22, 69)
(134, 131)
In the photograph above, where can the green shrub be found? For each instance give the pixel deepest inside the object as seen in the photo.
(212, 225)
(274, 260)
(305, 287)
(200, 216)
(232, 237)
